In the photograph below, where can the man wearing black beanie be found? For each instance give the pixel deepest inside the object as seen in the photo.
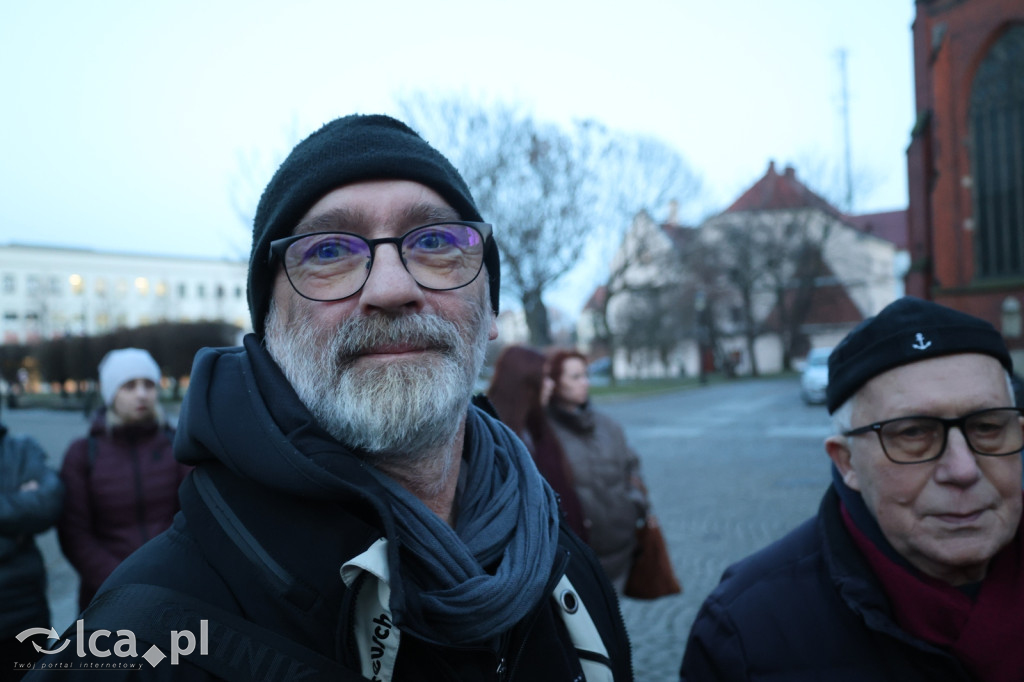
(352, 514)
(913, 568)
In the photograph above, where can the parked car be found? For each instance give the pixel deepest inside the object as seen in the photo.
(814, 379)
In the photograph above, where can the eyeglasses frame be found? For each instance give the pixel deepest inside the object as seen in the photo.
(947, 424)
(279, 247)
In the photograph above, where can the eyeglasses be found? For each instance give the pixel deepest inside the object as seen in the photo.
(330, 266)
(995, 432)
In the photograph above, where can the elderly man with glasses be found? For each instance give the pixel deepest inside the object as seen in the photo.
(913, 568)
(352, 514)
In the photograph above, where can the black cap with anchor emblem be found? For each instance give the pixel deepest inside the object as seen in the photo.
(905, 331)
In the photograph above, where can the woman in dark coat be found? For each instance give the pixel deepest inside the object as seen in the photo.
(519, 391)
(606, 471)
(122, 479)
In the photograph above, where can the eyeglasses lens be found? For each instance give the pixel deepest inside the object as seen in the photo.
(443, 256)
(989, 432)
(328, 266)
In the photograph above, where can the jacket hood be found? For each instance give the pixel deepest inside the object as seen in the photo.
(242, 412)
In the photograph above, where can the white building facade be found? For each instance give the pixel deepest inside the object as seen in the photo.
(48, 292)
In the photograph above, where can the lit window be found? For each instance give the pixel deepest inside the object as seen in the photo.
(77, 283)
(142, 286)
(161, 289)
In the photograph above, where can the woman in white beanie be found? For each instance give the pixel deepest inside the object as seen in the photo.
(121, 479)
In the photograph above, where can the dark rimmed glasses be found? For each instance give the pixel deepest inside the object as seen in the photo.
(330, 266)
(995, 432)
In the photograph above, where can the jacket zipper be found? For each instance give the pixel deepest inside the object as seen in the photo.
(507, 672)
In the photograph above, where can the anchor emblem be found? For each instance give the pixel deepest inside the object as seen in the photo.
(921, 343)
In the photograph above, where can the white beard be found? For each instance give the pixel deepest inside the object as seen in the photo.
(397, 412)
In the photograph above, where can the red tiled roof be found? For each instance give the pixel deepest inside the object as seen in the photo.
(889, 225)
(597, 298)
(830, 304)
(774, 191)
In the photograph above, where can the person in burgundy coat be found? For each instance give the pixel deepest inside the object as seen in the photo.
(121, 479)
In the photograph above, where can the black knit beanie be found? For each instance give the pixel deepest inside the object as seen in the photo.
(905, 331)
(350, 149)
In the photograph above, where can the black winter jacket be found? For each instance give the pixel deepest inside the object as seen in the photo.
(23, 513)
(808, 607)
(265, 528)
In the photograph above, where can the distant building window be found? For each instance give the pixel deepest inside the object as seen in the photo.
(142, 286)
(32, 284)
(102, 321)
(182, 291)
(33, 317)
(10, 316)
(54, 285)
(122, 287)
(10, 284)
(101, 286)
(201, 291)
(77, 284)
(997, 135)
(161, 289)
(239, 292)
(220, 291)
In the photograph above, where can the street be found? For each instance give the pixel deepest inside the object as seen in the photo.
(730, 467)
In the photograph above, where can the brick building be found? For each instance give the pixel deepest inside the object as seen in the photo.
(966, 161)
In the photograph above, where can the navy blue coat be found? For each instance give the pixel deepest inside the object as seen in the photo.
(808, 607)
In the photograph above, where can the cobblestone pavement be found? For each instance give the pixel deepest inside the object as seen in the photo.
(730, 467)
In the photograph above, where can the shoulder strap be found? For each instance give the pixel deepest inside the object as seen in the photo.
(225, 644)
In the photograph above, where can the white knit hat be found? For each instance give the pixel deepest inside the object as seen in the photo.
(118, 367)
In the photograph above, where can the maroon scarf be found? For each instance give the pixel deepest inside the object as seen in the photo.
(986, 633)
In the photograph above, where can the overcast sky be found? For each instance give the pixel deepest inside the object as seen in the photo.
(123, 123)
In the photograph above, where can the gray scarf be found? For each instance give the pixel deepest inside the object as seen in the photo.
(474, 582)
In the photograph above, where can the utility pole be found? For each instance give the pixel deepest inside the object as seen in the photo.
(845, 112)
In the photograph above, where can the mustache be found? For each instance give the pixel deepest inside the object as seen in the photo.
(366, 334)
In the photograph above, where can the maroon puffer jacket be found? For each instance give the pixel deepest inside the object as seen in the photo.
(126, 495)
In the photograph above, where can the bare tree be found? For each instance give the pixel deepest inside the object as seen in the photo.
(643, 277)
(772, 262)
(531, 178)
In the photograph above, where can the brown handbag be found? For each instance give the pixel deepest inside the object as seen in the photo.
(651, 575)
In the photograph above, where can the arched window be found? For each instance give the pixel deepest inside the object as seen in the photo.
(997, 134)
